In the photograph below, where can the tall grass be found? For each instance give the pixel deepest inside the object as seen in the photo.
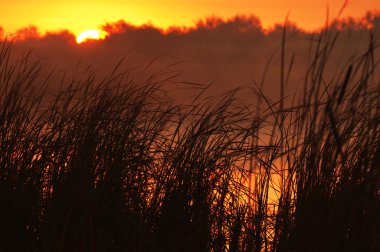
(115, 165)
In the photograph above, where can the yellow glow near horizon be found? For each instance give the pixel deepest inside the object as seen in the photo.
(91, 34)
(77, 16)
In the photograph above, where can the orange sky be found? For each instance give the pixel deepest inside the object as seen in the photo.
(77, 16)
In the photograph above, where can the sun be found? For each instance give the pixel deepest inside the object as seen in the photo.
(93, 34)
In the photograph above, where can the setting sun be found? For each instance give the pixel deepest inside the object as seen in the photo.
(91, 34)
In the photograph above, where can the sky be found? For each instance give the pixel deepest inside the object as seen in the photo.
(77, 16)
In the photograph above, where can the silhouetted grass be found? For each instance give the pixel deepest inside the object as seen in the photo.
(115, 165)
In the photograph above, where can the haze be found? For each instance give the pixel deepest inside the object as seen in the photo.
(78, 16)
(231, 53)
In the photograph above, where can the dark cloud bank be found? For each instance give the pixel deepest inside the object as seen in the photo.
(228, 53)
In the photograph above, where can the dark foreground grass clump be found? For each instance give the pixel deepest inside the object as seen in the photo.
(115, 165)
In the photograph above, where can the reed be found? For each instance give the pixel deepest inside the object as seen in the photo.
(115, 165)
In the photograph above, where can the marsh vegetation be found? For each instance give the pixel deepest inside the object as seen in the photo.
(116, 165)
